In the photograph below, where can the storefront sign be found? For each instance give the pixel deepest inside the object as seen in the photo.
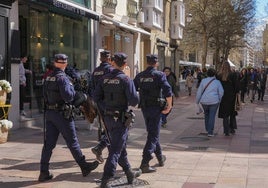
(72, 7)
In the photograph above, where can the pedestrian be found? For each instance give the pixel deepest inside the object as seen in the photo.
(200, 75)
(252, 84)
(230, 84)
(189, 82)
(59, 94)
(171, 78)
(243, 84)
(209, 94)
(262, 77)
(49, 70)
(23, 83)
(104, 68)
(155, 98)
(114, 93)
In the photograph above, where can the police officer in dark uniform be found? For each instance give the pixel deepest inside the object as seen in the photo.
(104, 68)
(59, 95)
(155, 97)
(114, 93)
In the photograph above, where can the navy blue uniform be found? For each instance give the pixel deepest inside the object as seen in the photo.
(152, 85)
(58, 90)
(60, 96)
(99, 72)
(114, 93)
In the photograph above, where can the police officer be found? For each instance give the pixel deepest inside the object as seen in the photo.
(113, 94)
(59, 94)
(104, 68)
(153, 87)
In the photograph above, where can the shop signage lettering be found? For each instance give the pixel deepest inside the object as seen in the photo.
(69, 8)
(74, 9)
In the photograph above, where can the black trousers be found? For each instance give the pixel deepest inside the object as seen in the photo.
(22, 96)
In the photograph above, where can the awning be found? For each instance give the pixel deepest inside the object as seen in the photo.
(190, 63)
(125, 26)
(231, 64)
(72, 7)
(6, 3)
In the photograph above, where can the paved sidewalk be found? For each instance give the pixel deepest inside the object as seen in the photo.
(193, 159)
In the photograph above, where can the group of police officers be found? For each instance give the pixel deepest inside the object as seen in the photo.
(113, 92)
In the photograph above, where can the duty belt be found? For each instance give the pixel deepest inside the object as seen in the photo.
(113, 113)
(54, 107)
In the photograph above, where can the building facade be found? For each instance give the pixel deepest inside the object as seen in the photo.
(265, 46)
(81, 29)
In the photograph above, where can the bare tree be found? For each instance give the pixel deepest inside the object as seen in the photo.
(221, 24)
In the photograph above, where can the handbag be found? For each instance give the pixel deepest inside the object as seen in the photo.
(238, 104)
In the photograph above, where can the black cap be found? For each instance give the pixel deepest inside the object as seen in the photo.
(61, 58)
(151, 58)
(120, 58)
(105, 53)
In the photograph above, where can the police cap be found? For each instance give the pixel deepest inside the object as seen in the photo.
(105, 54)
(120, 58)
(151, 58)
(61, 58)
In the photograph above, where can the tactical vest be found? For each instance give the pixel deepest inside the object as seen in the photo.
(114, 94)
(51, 90)
(99, 73)
(150, 91)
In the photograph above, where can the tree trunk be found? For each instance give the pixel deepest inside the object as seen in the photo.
(205, 50)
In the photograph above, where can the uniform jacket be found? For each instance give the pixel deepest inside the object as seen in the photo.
(99, 72)
(151, 82)
(112, 89)
(58, 89)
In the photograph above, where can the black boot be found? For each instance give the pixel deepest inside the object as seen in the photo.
(104, 183)
(161, 160)
(97, 150)
(45, 176)
(145, 168)
(86, 167)
(131, 175)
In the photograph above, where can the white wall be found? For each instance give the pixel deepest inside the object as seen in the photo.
(14, 111)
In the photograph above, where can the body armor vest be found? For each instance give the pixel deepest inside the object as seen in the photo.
(114, 94)
(51, 90)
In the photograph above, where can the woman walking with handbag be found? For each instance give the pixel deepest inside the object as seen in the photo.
(209, 94)
(230, 84)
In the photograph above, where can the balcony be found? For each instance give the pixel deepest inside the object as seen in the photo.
(152, 10)
(155, 4)
(132, 11)
(152, 18)
(108, 7)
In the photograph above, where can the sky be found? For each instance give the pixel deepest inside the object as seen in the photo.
(260, 12)
(254, 37)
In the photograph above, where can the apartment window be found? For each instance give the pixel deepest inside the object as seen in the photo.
(147, 15)
(175, 12)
